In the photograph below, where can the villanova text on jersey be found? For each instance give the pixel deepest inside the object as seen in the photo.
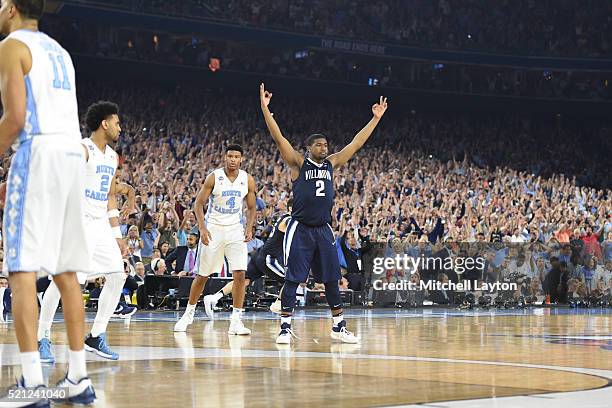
(230, 205)
(107, 173)
(313, 193)
(318, 174)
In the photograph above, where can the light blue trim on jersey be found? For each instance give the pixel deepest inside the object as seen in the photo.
(32, 127)
(196, 270)
(15, 205)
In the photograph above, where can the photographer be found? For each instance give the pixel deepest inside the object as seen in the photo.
(350, 255)
(556, 280)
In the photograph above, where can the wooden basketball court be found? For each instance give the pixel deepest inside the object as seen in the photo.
(538, 357)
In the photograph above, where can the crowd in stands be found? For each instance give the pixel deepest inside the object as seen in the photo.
(526, 27)
(423, 178)
(89, 39)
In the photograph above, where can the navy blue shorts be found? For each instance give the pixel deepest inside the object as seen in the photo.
(310, 249)
(265, 265)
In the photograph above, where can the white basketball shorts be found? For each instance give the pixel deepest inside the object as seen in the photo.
(105, 253)
(227, 242)
(43, 215)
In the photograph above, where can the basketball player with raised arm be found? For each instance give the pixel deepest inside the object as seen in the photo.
(267, 261)
(223, 235)
(309, 241)
(43, 216)
(102, 225)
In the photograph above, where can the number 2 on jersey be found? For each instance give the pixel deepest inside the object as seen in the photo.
(320, 188)
(57, 83)
(105, 182)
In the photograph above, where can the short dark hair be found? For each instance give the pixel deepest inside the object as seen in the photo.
(32, 9)
(290, 203)
(98, 112)
(311, 139)
(235, 147)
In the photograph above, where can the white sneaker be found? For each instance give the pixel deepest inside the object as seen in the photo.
(344, 336)
(77, 393)
(209, 303)
(236, 327)
(185, 320)
(285, 336)
(276, 306)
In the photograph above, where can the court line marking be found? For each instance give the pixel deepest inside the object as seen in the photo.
(172, 316)
(9, 355)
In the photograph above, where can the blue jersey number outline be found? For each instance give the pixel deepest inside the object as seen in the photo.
(57, 83)
(231, 203)
(105, 182)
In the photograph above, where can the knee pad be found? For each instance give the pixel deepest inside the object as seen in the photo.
(288, 296)
(332, 294)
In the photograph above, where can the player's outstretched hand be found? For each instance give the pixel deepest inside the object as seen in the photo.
(379, 109)
(126, 211)
(205, 236)
(264, 96)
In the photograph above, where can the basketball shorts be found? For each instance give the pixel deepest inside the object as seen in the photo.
(310, 249)
(43, 219)
(265, 265)
(105, 253)
(227, 243)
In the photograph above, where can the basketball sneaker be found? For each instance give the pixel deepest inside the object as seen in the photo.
(5, 304)
(341, 333)
(18, 389)
(237, 327)
(210, 301)
(285, 335)
(79, 393)
(185, 320)
(276, 306)
(98, 346)
(44, 349)
(124, 311)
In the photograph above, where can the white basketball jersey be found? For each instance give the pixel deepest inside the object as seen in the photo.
(51, 103)
(225, 202)
(99, 173)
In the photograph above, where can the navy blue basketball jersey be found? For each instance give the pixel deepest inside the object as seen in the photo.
(274, 243)
(313, 193)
